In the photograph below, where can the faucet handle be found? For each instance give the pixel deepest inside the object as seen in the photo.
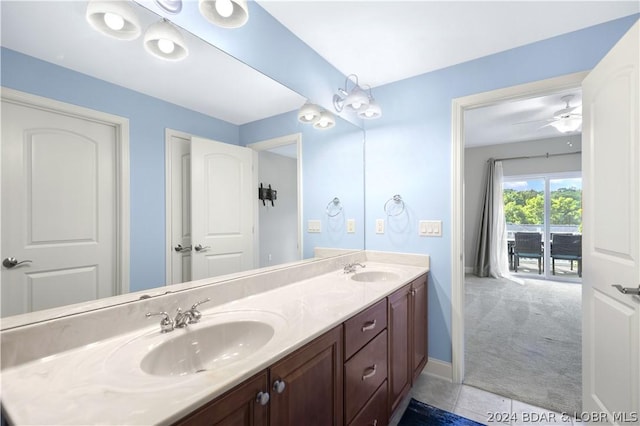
(166, 324)
(195, 305)
(195, 313)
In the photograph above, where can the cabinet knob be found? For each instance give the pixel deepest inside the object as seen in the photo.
(279, 386)
(262, 398)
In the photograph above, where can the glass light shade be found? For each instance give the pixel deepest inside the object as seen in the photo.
(567, 125)
(371, 112)
(308, 113)
(357, 100)
(227, 14)
(116, 19)
(326, 121)
(165, 41)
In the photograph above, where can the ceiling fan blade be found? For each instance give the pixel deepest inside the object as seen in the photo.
(534, 121)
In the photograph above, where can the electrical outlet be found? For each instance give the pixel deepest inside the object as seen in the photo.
(379, 226)
(351, 226)
(314, 226)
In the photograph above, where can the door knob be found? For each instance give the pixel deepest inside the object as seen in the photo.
(200, 248)
(628, 290)
(181, 249)
(12, 262)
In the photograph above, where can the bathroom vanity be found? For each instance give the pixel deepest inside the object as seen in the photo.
(303, 344)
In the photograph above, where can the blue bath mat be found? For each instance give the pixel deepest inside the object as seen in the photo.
(421, 414)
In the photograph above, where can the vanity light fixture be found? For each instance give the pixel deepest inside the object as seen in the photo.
(326, 121)
(116, 19)
(309, 113)
(170, 6)
(165, 41)
(225, 13)
(356, 99)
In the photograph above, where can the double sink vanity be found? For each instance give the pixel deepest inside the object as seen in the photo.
(313, 343)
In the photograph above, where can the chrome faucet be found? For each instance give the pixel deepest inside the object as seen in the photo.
(182, 319)
(351, 267)
(190, 316)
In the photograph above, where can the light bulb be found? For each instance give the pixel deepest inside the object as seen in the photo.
(356, 105)
(166, 46)
(224, 8)
(308, 117)
(114, 21)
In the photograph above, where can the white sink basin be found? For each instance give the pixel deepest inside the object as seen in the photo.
(220, 341)
(206, 348)
(375, 276)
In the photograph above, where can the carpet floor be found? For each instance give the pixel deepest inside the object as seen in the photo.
(525, 341)
(421, 414)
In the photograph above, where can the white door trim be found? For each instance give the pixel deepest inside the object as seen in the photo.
(281, 141)
(121, 126)
(458, 107)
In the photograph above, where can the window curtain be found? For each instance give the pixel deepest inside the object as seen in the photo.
(491, 253)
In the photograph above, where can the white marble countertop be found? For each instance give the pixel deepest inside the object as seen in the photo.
(100, 383)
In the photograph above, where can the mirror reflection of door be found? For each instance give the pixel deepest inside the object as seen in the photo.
(210, 208)
(60, 238)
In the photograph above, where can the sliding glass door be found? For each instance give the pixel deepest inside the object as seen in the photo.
(547, 205)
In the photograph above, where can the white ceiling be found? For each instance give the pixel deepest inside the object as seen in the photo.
(380, 41)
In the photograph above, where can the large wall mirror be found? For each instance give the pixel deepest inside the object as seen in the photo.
(67, 87)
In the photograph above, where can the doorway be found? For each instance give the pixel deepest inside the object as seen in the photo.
(457, 205)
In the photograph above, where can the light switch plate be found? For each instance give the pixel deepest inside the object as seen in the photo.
(430, 228)
(314, 226)
(379, 226)
(351, 226)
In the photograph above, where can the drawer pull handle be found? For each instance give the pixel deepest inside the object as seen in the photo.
(369, 326)
(375, 422)
(371, 373)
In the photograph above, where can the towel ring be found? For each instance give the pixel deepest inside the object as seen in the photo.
(397, 199)
(334, 208)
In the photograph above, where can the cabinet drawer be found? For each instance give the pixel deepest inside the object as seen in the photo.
(363, 327)
(364, 373)
(374, 412)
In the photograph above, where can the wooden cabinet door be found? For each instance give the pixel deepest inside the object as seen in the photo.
(399, 345)
(238, 407)
(420, 352)
(312, 375)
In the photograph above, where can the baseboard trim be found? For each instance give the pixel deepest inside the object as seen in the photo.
(441, 369)
(468, 269)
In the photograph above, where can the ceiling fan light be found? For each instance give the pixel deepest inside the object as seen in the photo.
(225, 13)
(116, 19)
(567, 125)
(326, 121)
(165, 41)
(308, 113)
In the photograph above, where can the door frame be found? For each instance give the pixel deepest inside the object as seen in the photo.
(121, 126)
(294, 138)
(458, 108)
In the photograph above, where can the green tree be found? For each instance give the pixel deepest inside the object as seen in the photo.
(534, 209)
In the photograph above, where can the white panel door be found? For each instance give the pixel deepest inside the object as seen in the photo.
(222, 208)
(58, 209)
(611, 245)
(180, 209)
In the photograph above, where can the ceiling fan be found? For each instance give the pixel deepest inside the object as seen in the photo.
(566, 120)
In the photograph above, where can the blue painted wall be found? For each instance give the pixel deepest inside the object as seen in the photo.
(408, 150)
(332, 167)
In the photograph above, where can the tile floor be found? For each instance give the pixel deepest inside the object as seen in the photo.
(479, 405)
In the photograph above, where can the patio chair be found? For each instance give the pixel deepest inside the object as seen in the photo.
(566, 247)
(528, 245)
